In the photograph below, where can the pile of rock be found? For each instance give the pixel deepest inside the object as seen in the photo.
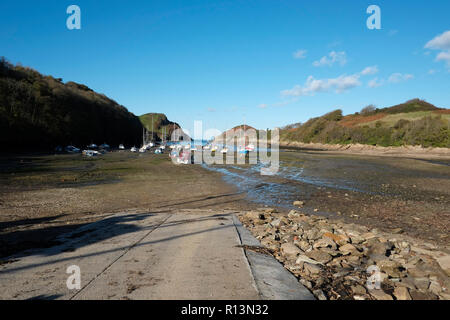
(346, 261)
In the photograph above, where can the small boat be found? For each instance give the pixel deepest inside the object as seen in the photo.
(158, 151)
(121, 147)
(90, 153)
(92, 146)
(134, 149)
(143, 149)
(72, 149)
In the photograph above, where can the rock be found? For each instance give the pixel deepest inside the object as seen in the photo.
(444, 263)
(312, 268)
(340, 239)
(277, 223)
(422, 283)
(304, 245)
(380, 295)
(435, 287)
(397, 230)
(319, 256)
(253, 215)
(319, 294)
(357, 297)
(313, 234)
(316, 210)
(302, 258)
(368, 235)
(380, 248)
(290, 250)
(392, 268)
(325, 243)
(402, 293)
(348, 249)
(299, 203)
(358, 289)
(293, 214)
(270, 210)
(418, 295)
(306, 283)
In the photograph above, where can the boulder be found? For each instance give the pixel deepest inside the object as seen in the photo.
(325, 243)
(340, 239)
(402, 293)
(302, 258)
(348, 249)
(319, 256)
(444, 263)
(290, 250)
(380, 295)
(299, 203)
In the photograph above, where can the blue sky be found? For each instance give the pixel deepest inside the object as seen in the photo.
(221, 62)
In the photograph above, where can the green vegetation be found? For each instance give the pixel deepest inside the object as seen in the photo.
(161, 127)
(415, 122)
(39, 112)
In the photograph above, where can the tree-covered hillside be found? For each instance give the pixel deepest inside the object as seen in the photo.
(39, 112)
(414, 122)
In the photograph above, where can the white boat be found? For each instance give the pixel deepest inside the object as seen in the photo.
(121, 147)
(90, 153)
(134, 149)
(142, 150)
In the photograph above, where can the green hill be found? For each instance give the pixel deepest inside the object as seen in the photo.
(162, 128)
(38, 112)
(415, 122)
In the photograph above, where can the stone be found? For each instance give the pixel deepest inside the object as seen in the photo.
(253, 215)
(419, 295)
(299, 203)
(293, 214)
(277, 223)
(358, 289)
(348, 248)
(304, 245)
(325, 243)
(306, 283)
(319, 256)
(270, 210)
(379, 294)
(435, 287)
(392, 268)
(312, 268)
(340, 239)
(397, 230)
(368, 235)
(302, 258)
(422, 283)
(319, 294)
(312, 234)
(402, 293)
(444, 263)
(290, 250)
(357, 297)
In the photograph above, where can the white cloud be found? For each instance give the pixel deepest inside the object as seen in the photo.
(300, 54)
(312, 85)
(375, 83)
(399, 77)
(332, 58)
(444, 56)
(211, 110)
(263, 106)
(370, 71)
(432, 71)
(440, 42)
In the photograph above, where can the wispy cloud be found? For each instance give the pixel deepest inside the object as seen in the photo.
(300, 54)
(332, 58)
(263, 106)
(375, 83)
(441, 42)
(211, 110)
(370, 71)
(399, 77)
(313, 86)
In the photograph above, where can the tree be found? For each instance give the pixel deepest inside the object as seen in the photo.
(368, 110)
